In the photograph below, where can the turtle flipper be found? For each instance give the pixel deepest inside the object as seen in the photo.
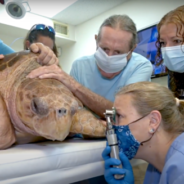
(24, 138)
(7, 134)
(84, 122)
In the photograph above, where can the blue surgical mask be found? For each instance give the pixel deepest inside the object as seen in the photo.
(110, 64)
(174, 58)
(127, 143)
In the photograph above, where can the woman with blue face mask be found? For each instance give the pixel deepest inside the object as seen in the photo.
(149, 126)
(170, 45)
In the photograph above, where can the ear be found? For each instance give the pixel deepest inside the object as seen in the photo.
(133, 47)
(27, 44)
(96, 37)
(130, 53)
(155, 120)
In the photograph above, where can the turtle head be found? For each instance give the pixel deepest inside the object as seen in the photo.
(46, 107)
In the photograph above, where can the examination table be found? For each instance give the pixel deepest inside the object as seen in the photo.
(53, 162)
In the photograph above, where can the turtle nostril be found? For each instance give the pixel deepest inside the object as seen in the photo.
(61, 112)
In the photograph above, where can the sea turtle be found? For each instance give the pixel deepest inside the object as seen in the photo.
(42, 107)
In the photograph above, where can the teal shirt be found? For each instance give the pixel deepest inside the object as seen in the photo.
(4, 49)
(85, 71)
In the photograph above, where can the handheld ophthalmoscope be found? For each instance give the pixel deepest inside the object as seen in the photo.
(112, 138)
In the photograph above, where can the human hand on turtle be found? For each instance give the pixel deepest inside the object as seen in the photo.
(55, 72)
(46, 55)
(1, 56)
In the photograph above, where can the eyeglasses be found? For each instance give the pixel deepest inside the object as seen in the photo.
(42, 27)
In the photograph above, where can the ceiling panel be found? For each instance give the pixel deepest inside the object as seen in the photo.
(49, 8)
(83, 10)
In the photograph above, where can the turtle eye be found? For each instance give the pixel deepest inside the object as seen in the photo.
(39, 107)
(61, 112)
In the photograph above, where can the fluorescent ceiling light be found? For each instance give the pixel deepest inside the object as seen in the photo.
(49, 8)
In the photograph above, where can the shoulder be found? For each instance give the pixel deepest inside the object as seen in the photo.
(138, 62)
(139, 59)
(177, 146)
(152, 175)
(179, 180)
(85, 64)
(174, 166)
(84, 59)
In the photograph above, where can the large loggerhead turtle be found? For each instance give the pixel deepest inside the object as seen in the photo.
(42, 107)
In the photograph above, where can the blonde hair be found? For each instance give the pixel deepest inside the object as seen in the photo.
(148, 96)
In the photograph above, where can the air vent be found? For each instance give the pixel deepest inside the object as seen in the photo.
(61, 29)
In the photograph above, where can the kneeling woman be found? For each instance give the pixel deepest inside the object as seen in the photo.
(150, 127)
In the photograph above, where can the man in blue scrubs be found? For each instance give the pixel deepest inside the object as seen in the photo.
(96, 78)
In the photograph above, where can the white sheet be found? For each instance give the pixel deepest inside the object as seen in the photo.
(53, 162)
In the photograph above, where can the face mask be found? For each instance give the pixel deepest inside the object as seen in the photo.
(110, 64)
(127, 143)
(174, 58)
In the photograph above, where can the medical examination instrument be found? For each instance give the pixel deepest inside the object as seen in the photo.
(110, 116)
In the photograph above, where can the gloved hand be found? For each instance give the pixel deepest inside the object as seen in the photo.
(111, 171)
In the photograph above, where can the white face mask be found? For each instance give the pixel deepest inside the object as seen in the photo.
(110, 64)
(174, 58)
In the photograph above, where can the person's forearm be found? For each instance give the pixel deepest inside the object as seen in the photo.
(94, 102)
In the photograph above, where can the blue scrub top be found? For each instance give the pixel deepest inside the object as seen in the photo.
(173, 171)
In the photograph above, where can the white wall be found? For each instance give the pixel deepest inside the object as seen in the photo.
(161, 80)
(17, 45)
(28, 21)
(11, 28)
(143, 12)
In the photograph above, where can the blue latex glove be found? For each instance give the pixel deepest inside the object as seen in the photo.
(111, 171)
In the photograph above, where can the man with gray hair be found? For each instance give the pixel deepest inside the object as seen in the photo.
(95, 79)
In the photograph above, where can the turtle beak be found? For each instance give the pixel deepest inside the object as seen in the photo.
(39, 107)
